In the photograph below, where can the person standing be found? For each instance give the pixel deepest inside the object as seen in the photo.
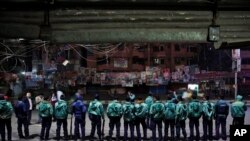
(114, 113)
(207, 116)
(61, 115)
(28, 95)
(238, 111)
(169, 117)
(79, 111)
(6, 111)
(96, 112)
(46, 112)
(22, 120)
(181, 116)
(129, 118)
(53, 101)
(221, 113)
(194, 114)
(149, 101)
(141, 112)
(38, 100)
(156, 113)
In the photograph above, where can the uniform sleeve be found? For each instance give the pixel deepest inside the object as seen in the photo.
(101, 110)
(90, 104)
(51, 109)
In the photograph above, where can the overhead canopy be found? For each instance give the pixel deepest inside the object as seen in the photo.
(100, 21)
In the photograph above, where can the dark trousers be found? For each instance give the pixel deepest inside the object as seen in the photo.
(7, 123)
(29, 116)
(207, 129)
(194, 122)
(181, 125)
(80, 122)
(148, 122)
(114, 122)
(59, 123)
(238, 120)
(23, 122)
(96, 122)
(138, 122)
(169, 124)
(221, 121)
(154, 123)
(131, 128)
(46, 124)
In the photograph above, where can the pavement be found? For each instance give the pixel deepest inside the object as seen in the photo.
(35, 128)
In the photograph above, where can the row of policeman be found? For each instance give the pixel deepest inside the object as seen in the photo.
(150, 113)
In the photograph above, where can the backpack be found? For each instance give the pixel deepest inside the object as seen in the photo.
(208, 111)
(170, 111)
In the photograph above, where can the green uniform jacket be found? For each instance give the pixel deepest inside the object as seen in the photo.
(181, 111)
(141, 110)
(114, 109)
(96, 108)
(45, 109)
(194, 109)
(7, 109)
(157, 110)
(128, 111)
(238, 109)
(61, 109)
(208, 112)
(149, 101)
(170, 110)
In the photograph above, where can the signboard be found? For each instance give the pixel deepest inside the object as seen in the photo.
(236, 63)
(120, 63)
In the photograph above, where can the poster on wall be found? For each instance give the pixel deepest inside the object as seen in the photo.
(152, 75)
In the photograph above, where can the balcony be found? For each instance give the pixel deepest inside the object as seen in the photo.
(160, 54)
(103, 67)
(139, 54)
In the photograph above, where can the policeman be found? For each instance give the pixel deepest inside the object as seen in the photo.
(221, 113)
(114, 113)
(149, 101)
(22, 118)
(207, 116)
(6, 111)
(238, 111)
(45, 110)
(129, 117)
(96, 112)
(61, 114)
(181, 116)
(79, 111)
(141, 112)
(156, 113)
(194, 113)
(169, 117)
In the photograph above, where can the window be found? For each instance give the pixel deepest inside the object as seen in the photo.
(177, 47)
(177, 60)
(193, 49)
(245, 61)
(137, 60)
(102, 61)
